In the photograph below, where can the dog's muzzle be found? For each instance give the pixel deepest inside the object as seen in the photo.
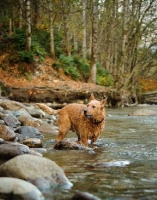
(86, 115)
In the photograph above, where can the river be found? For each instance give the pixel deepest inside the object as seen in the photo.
(124, 165)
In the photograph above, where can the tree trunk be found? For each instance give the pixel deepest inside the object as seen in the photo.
(52, 50)
(92, 77)
(84, 29)
(28, 26)
(66, 29)
(20, 14)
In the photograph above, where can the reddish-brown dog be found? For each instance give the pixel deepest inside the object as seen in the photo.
(88, 121)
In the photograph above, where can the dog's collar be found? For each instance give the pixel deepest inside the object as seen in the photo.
(97, 122)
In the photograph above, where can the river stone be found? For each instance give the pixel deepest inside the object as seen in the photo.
(7, 133)
(48, 128)
(68, 144)
(17, 189)
(39, 171)
(1, 109)
(33, 142)
(30, 122)
(84, 196)
(22, 114)
(40, 150)
(11, 121)
(2, 122)
(28, 131)
(10, 150)
(143, 112)
(11, 105)
(38, 113)
(2, 141)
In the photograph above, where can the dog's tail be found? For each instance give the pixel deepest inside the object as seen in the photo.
(47, 109)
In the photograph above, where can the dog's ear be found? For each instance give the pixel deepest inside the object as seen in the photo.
(103, 101)
(92, 97)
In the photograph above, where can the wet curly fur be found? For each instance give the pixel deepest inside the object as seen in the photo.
(88, 121)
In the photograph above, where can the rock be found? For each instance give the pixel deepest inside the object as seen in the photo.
(13, 188)
(20, 137)
(11, 105)
(1, 122)
(39, 171)
(22, 113)
(30, 122)
(11, 121)
(36, 153)
(48, 128)
(30, 132)
(70, 145)
(33, 142)
(84, 196)
(7, 133)
(47, 109)
(1, 109)
(143, 112)
(38, 113)
(2, 141)
(10, 150)
(40, 150)
(27, 120)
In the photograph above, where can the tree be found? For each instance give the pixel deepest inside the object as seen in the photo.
(28, 25)
(84, 48)
(65, 16)
(52, 50)
(92, 77)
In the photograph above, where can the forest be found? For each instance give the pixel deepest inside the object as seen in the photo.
(105, 42)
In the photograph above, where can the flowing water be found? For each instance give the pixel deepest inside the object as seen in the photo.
(124, 166)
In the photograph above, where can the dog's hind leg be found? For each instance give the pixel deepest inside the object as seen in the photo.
(64, 127)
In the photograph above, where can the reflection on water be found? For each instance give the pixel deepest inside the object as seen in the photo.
(127, 139)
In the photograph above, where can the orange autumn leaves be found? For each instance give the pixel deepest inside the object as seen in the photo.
(148, 85)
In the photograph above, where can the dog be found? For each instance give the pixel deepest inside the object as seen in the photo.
(87, 121)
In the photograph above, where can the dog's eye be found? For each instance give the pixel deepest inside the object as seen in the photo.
(94, 106)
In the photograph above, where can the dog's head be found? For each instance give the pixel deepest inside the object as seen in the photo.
(95, 108)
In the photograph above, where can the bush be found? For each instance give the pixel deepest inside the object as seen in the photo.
(68, 65)
(103, 77)
(26, 56)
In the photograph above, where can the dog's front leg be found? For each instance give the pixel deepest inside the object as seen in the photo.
(94, 139)
(83, 140)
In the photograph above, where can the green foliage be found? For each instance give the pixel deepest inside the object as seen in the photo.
(103, 77)
(68, 65)
(18, 39)
(57, 43)
(17, 43)
(26, 56)
(77, 68)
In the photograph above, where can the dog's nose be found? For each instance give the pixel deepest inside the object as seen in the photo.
(85, 111)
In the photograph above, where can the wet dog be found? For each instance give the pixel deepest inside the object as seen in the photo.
(88, 121)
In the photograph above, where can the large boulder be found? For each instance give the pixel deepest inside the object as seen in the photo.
(17, 189)
(10, 150)
(143, 112)
(11, 105)
(39, 171)
(7, 133)
(29, 132)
